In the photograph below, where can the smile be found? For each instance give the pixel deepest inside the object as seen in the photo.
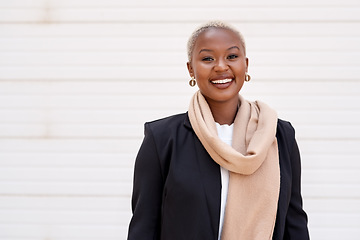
(221, 81)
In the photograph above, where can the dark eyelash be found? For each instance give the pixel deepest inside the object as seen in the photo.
(232, 56)
(207, 59)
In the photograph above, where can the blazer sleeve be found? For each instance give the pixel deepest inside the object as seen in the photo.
(147, 191)
(296, 218)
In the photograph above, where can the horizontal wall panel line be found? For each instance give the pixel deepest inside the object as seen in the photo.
(165, 29)
(160, 3)
(194, 22)
(64, 196)
(130, 137)
(174, 14)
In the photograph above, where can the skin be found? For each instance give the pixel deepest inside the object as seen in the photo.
(218, 54)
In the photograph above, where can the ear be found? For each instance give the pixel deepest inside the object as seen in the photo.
(247, 63)
(190, 69)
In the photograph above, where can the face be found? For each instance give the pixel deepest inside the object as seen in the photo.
(219, 65)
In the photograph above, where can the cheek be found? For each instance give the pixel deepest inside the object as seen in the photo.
(240, 68)
(201, 71)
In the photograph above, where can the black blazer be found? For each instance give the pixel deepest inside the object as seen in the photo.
(177, 186)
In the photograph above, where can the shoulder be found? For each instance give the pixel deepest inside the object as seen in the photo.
(166, 134)
(285, 134)
(167, 125)
(173, 119)
(167, 122)
(285, 127)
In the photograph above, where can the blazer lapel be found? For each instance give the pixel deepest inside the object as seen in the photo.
(211, 180)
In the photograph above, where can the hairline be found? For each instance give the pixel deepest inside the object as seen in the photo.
(211, 25)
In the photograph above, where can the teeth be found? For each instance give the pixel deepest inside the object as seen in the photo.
(222, 81)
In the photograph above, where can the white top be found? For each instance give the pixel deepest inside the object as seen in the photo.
(225, 133)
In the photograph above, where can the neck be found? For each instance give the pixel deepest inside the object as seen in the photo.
(224, 112)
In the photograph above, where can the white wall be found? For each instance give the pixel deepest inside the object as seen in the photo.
(78, 78)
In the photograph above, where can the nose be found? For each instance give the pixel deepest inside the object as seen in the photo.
(221, 66)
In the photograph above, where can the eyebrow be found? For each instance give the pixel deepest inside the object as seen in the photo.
(209, 50)
(233, 47)
(205, 50)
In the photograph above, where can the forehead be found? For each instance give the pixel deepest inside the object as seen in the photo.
(217, 38)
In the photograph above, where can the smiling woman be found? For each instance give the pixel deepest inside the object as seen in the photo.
(214, 172)
(219, 65)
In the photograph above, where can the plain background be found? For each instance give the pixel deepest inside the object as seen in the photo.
(78, 79)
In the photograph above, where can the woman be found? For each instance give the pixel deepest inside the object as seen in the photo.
(227, 169)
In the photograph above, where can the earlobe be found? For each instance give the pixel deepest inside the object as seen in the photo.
(247, 63)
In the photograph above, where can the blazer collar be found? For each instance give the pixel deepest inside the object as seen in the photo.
(187, 121)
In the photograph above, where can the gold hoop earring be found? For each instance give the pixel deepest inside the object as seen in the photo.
(247, 77)
(192, 82)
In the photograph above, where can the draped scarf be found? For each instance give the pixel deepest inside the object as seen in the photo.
(253, 164)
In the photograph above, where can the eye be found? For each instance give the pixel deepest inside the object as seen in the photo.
(232, 56)
(207, 59)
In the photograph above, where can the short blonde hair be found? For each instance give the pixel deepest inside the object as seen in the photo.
(213, 24)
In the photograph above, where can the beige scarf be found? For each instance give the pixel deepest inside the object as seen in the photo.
(252, 161)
